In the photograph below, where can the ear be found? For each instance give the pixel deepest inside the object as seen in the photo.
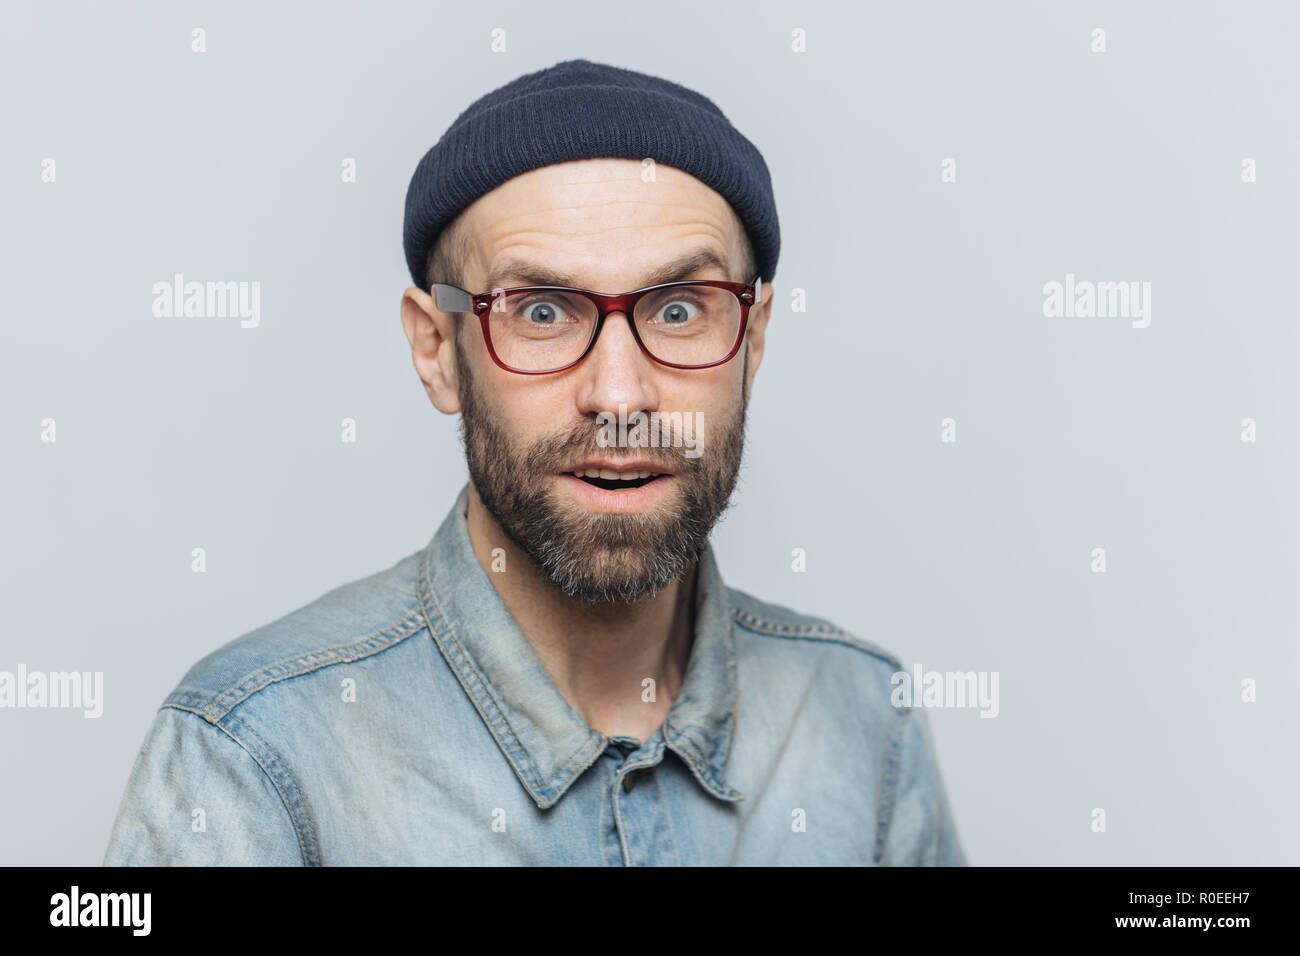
(433, 348)
(756, 334)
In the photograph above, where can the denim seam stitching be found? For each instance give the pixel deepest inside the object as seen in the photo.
(545, 788)
(667, 816)
(497, 721)
(618, 824)
(811, 632)
(306, 842)
(306, 663)
(476, 687)
(698, 768)
(693, 752)
(889, 786)
(311, 851)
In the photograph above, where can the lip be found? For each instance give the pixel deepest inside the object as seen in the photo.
(620, 467)
(626, 501)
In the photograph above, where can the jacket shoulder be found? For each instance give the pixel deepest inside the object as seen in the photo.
(778, 621)
(356, 620)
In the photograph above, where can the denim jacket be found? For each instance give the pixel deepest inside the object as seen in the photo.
(405, 719)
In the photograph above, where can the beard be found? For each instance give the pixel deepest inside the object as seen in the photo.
(596, 557)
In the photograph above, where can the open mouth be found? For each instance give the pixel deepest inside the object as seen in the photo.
(616, 481)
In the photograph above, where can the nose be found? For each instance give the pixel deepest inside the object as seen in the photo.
(616, 372)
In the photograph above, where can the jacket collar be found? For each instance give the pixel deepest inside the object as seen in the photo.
(545, 740)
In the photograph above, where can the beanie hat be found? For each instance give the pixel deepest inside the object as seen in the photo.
(583, 110)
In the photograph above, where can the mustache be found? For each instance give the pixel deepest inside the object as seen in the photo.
(562, 449)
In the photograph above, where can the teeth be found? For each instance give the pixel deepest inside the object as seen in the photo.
(607, 474)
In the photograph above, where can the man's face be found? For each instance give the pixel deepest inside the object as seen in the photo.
(529, 438)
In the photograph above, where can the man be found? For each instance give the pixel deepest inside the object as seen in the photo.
(561, 676)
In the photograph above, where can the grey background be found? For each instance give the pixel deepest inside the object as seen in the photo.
(1119, 691)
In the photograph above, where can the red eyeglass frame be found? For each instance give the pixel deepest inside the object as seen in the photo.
(449, 298)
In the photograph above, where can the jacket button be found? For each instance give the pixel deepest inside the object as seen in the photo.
(629, 779)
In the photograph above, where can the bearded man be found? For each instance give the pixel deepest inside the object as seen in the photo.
(560, 677)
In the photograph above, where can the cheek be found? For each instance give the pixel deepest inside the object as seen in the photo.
(528, 408)
(712, 405)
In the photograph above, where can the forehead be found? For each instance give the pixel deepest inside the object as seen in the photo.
(604, 223)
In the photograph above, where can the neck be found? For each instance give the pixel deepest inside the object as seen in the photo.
(599, 655)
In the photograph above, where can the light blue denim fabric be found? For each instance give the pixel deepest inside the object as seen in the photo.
(782, 747)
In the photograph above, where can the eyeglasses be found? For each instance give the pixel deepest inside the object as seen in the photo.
(535, 330)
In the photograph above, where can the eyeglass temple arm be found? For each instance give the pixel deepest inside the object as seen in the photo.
(758, 290)
(448, 298)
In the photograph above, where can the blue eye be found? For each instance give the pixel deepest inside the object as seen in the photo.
(676, 313)
(543, 313)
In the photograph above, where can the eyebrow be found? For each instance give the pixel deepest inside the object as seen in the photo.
(532, 273)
